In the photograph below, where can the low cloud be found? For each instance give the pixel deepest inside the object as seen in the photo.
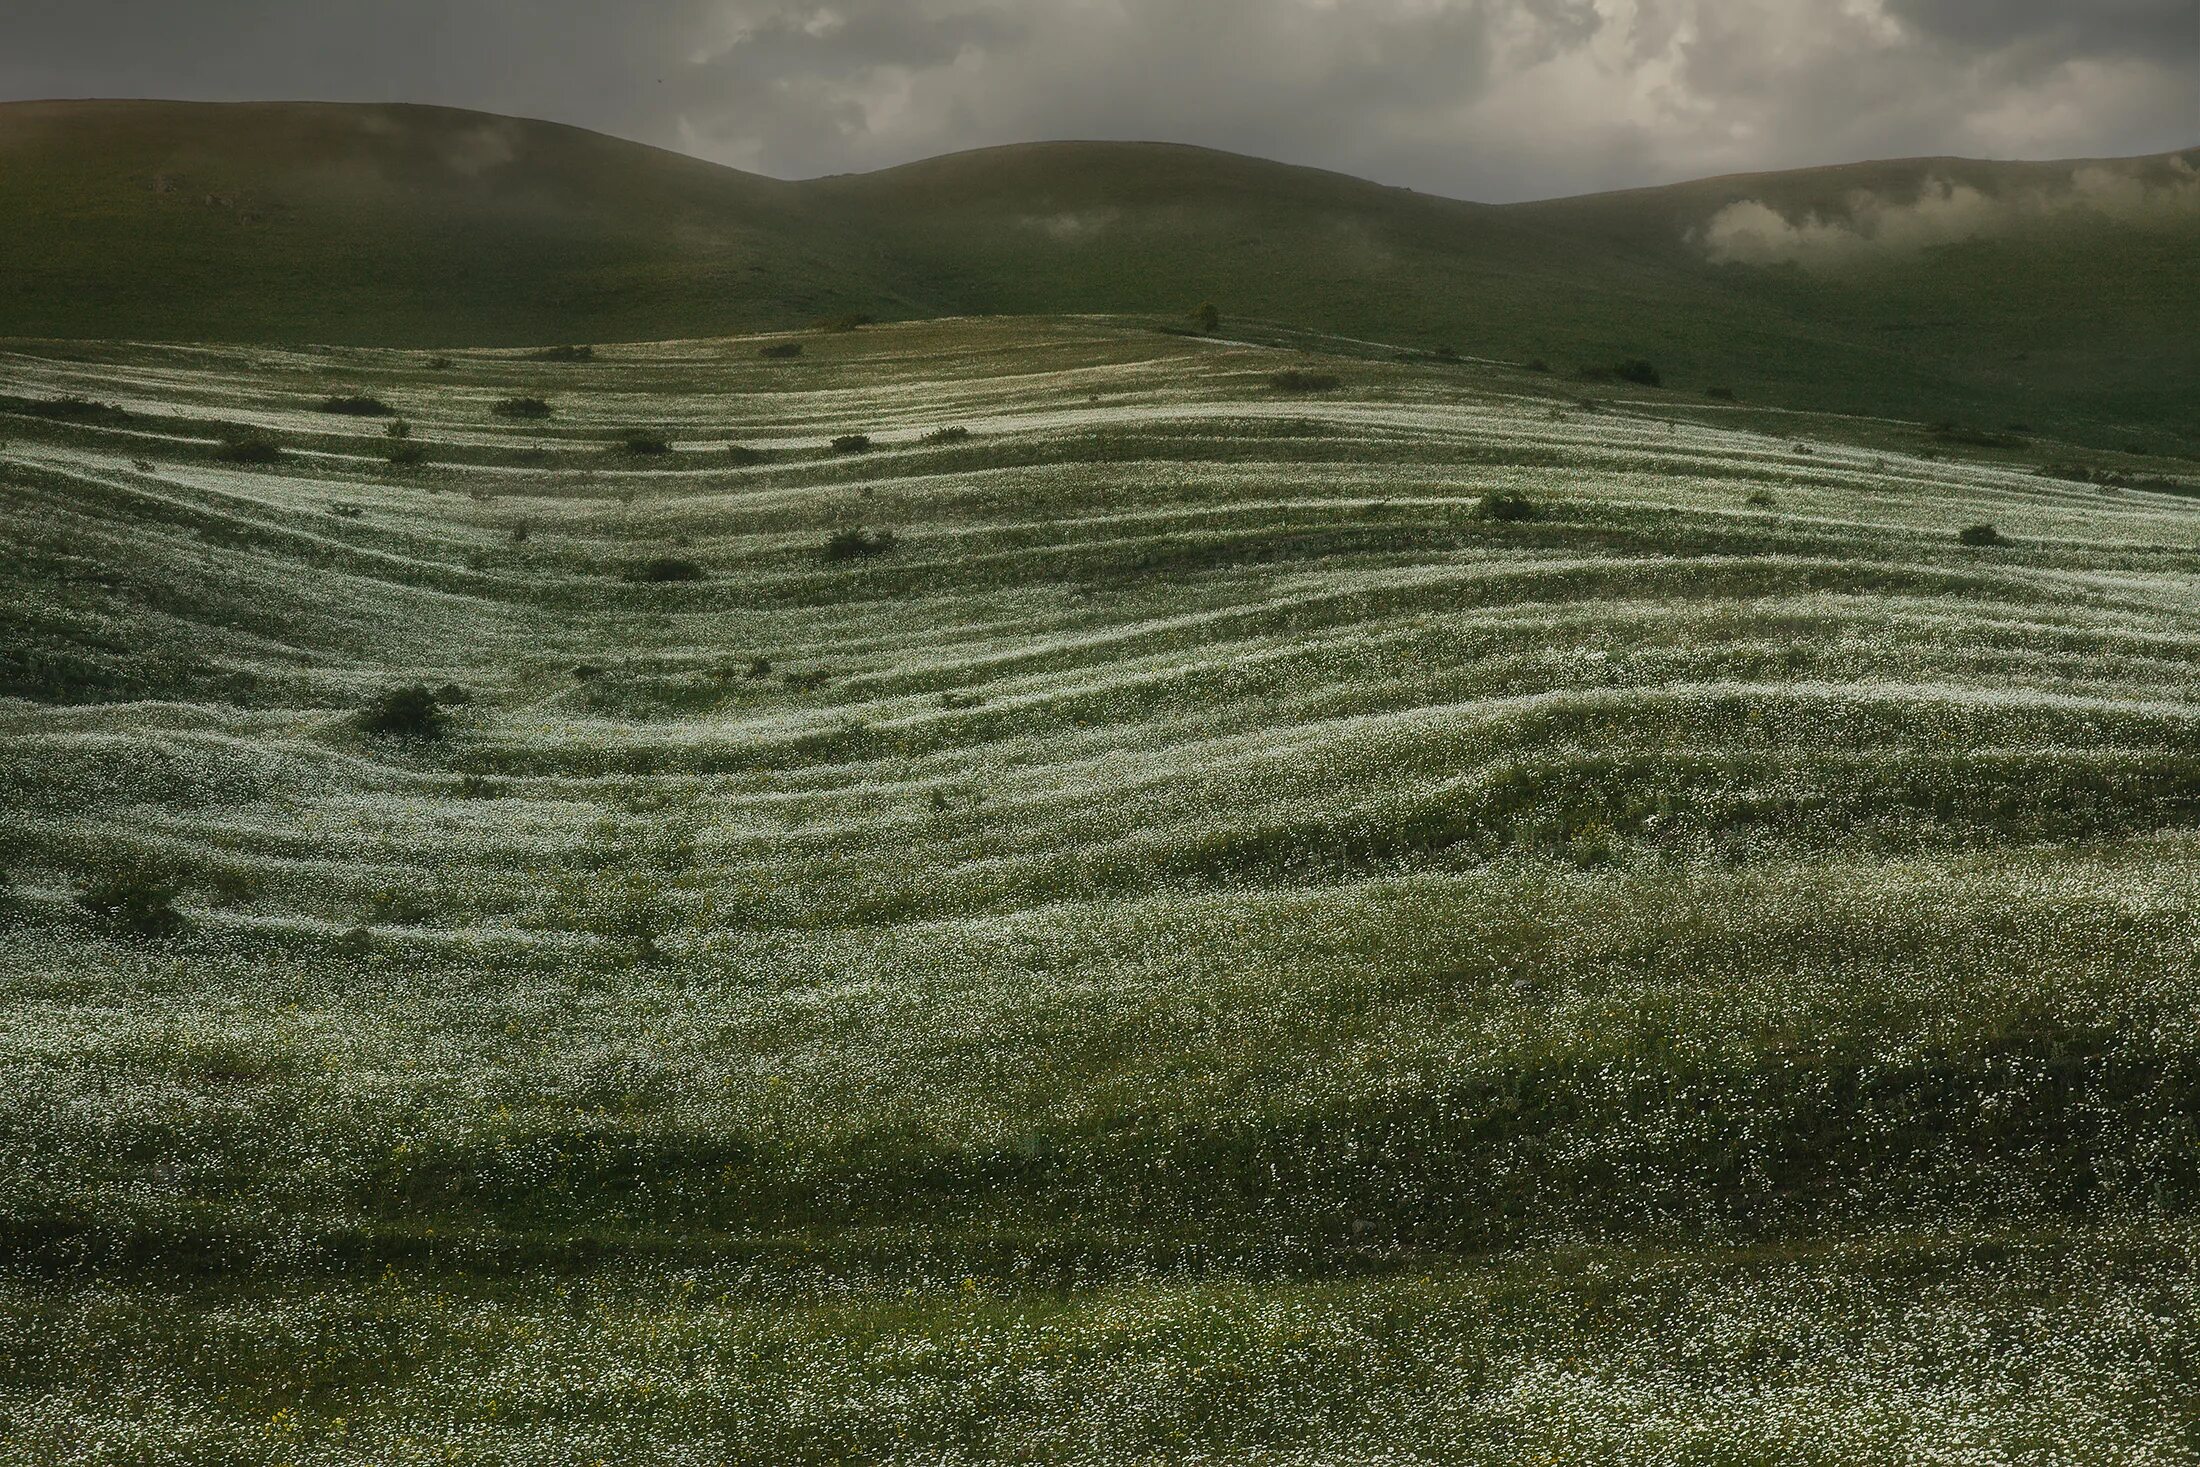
(1072, 227)
(1753, 232)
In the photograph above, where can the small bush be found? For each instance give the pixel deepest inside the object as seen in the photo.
(586, 672)
(358, 405)
(645, 445)
(858, 544)
(1292, 379)
(1719, 394)
(1981, 535)
(439, 364)
(345, 511)
(404, 455)
(563, 354)
(1446, 353)
(759, 667)
(398, 429)
(521, 407)
(412, 712)
(779, 351)
(1207, 317)
(137, 902)
(741, 454)
(849, 322)
(481, 787)
(1638, 371)
(852, 443)
(1535, 364)
(1507, 506)
(248, 448)
(947, 435)
(665, 568)
(1758, 499)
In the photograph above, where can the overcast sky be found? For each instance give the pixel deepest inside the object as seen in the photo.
(1485, 99)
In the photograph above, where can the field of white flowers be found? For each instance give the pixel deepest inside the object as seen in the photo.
(1140, 914)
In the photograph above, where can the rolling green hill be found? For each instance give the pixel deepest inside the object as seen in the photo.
(1185, 920)
(2066, 311)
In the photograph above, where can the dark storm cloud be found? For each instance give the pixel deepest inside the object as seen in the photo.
(2074, 27)
(1485, 98)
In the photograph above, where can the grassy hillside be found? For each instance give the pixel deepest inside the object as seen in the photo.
(401, 225)
(1412, 922)
(420, 227)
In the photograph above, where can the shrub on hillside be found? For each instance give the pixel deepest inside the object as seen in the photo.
(1759, 499)
(246, 447)
(1638, 371)
(1719, 394)
(563, 354)
(644, 445)
(852, 443)
(410, 712)
(521, 407)
(1207, 317)
(858, 544)
(1507, 506)
(1292, 379)
(743, 455)
(398, 429)
(1535, 364)
(358, 405)
(779, 351)
(133, 902)
(939, 436)
(1981, 535)
(849, 322)
(404, 455)
(665, 568)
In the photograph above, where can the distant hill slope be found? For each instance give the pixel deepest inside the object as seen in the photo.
(2056, 295)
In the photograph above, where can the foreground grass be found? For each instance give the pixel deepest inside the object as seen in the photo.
(2033, 1349)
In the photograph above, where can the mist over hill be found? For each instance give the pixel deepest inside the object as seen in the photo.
(2052, 295)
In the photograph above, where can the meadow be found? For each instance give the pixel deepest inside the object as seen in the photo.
(1041, 889)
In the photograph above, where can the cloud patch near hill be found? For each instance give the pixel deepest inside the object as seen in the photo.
(1753, 232)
